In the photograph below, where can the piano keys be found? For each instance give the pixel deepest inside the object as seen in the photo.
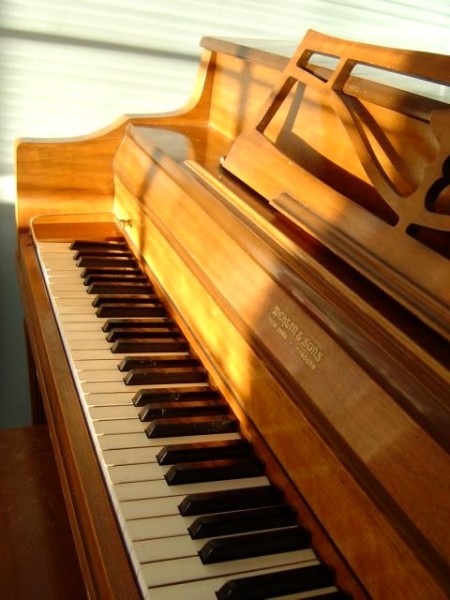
(208, 458)
(301, 349)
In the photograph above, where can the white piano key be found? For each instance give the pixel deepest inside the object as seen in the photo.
(119, 426)
(140, 472)
(166, 549)
(191, 568)
(160, 527)
(95, 354)
(113, 387)
(90, 326)
(103, 364)
(56, 248)
(58, 263)
(54, 245)
(118, 411)
(63, 274)
(108, 361)
(76, 318)
(206, 590)
(160, 489)
(76, 297)
(89, 335)
(66, 286)
(57, 258)
(139, 440)
(109, 399)
(150, 507)
(91, 344)
(104, 375)
(72, 309)
(131, 456)
(126, 440)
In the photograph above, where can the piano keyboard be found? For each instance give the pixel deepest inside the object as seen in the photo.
(198, 516)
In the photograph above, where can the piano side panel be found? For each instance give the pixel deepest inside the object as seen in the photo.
(381, 526)
(104, 563)
(63, 176)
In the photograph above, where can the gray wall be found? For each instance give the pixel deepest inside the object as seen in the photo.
(14, 399)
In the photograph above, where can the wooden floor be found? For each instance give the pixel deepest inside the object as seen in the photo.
(37, 553)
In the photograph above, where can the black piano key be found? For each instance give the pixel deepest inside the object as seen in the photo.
(111, 324)
(214, 470)
(101, 244)
(179, 453)
(184, 426)
(261, 543)
(138, 362)
(145, 299)
(281, 583)
(124, 277)
(171, 344)
(143, 397)
(169, 375)
(120, 287)
(108, 311)
(106, 261)
(336, 595)
(159, 333)
(227, 500)
(141, 333)
(103, 252)
(168, 410)
(115, 271)
(240, 521)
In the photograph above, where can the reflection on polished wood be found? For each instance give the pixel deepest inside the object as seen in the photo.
(321, 316)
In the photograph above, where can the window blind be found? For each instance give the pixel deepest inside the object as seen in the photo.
(69, 67)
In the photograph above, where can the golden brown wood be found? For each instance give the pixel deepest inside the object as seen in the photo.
(342, 388)
(71, 175)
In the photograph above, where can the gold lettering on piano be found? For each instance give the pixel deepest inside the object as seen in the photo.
(305, 348)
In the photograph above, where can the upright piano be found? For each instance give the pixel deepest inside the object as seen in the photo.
(237, 317)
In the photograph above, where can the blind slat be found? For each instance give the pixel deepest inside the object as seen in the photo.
(68, 68)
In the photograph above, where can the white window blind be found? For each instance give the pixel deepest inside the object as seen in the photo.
(69, 67)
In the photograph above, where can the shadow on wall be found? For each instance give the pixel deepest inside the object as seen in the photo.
(14, 394)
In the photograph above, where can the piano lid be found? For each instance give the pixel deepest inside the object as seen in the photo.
(363, 166)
